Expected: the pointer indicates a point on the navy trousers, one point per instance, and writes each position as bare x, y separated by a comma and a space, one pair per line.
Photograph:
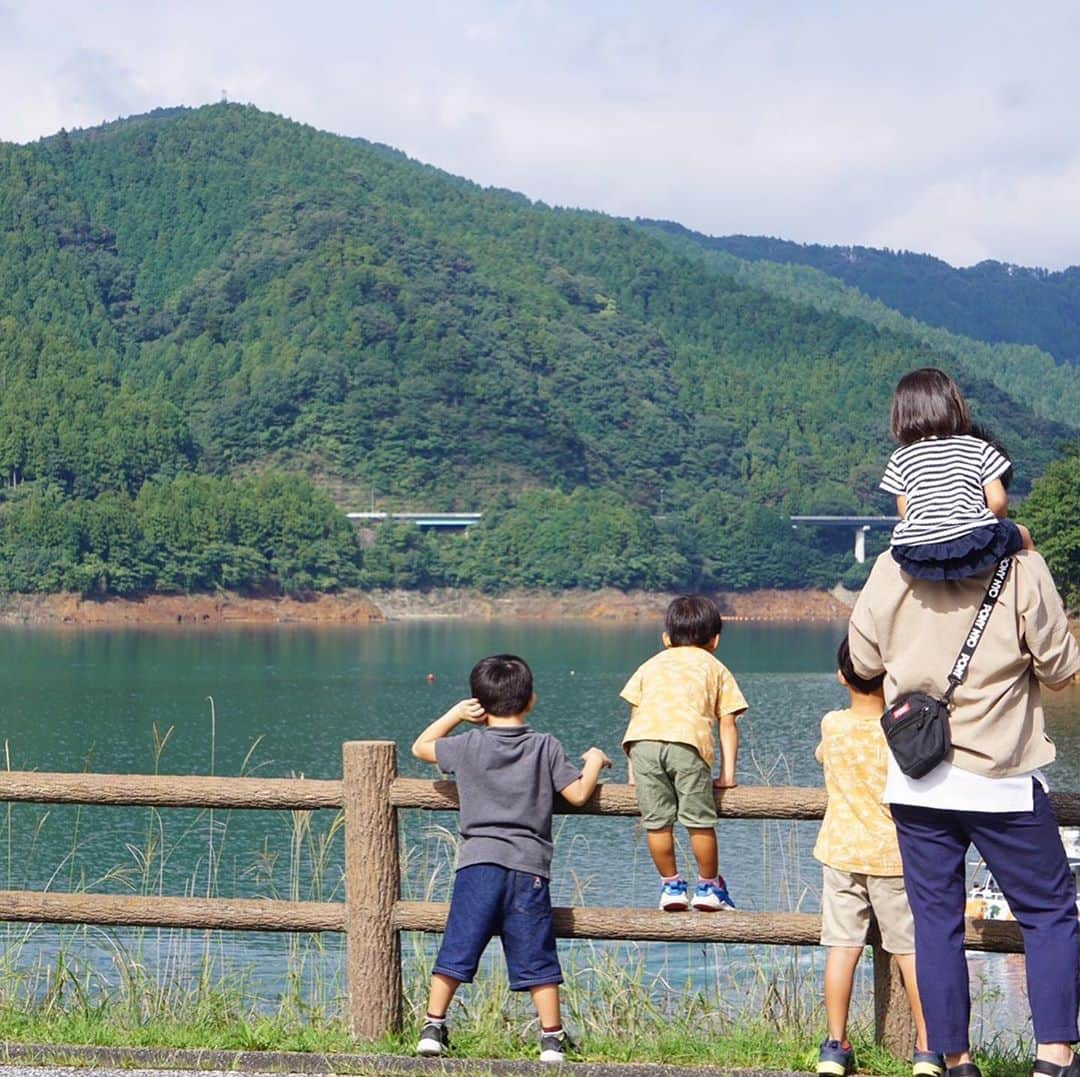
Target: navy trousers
1023, 851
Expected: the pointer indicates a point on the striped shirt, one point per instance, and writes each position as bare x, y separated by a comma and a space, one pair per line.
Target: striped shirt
942, 480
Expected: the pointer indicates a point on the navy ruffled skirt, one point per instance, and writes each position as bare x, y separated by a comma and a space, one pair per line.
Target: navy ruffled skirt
973, 554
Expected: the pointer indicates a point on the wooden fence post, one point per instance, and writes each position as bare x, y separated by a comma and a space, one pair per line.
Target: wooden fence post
372, 886
894, 1027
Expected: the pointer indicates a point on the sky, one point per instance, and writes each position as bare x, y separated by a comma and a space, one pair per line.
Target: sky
948, 128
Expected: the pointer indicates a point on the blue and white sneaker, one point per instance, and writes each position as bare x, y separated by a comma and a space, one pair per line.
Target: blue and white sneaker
835, 1060
673, 897
711, 898
927, 1064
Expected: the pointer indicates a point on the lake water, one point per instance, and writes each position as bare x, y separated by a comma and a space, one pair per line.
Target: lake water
284, 699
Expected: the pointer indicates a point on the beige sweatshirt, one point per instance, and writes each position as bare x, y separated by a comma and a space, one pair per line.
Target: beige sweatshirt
912, 629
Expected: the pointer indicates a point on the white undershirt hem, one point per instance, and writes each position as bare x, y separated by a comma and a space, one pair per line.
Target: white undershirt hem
949, 788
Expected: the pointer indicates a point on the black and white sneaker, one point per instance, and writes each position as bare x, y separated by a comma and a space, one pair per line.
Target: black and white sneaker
434, 1041
555, 1046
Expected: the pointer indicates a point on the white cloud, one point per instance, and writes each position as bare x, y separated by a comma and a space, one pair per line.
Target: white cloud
948, 129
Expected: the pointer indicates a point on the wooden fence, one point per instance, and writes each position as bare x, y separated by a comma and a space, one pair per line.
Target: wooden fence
373, 914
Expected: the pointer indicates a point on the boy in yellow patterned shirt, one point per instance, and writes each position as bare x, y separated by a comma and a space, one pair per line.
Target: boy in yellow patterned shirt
862, 875
676, 700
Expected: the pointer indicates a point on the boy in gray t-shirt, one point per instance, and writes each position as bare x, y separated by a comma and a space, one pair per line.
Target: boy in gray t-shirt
507, 777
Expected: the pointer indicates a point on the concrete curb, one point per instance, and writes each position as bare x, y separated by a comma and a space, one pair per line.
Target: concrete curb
133, 1059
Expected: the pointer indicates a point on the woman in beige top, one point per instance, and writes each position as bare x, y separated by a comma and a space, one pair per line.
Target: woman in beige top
989, 792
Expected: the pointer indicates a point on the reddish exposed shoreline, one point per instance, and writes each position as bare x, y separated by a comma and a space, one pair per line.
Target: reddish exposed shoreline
355, 607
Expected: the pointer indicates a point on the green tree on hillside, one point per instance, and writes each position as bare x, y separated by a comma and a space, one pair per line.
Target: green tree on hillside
1052, 512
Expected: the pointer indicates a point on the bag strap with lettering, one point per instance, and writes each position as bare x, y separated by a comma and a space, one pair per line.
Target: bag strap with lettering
978, 627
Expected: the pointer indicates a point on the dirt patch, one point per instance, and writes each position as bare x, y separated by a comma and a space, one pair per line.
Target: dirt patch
355, 607
605, 605
217, 609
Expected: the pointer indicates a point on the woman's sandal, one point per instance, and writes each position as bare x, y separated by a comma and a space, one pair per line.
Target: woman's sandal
1048, 1069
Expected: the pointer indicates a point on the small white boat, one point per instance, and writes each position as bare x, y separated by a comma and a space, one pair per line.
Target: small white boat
985, 900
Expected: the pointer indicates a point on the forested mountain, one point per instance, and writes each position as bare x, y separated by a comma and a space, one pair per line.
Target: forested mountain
992, 301
1052, 389
204, 312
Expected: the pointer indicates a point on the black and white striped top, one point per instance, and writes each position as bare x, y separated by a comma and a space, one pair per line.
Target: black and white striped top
942, 479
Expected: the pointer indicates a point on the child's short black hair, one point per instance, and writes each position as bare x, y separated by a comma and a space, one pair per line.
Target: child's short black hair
868, 686
692, 620
927, 403
502, 684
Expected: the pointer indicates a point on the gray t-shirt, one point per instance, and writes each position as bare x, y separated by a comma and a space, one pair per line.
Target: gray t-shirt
507, 778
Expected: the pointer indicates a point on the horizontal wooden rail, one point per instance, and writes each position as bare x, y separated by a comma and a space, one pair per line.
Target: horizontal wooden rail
170, 791
745, 802
306, 794
26, 906
778, 802
652, 925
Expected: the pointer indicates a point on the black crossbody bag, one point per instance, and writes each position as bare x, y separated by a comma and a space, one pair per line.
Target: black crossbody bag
916, 724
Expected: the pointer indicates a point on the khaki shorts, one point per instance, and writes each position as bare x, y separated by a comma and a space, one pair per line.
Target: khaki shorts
847, 900
673, 784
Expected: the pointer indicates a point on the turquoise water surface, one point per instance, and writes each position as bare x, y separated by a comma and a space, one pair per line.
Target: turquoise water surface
284, 700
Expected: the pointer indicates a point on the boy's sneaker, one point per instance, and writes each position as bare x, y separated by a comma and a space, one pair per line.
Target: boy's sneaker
434, 1040
673, 896
555, 1046
711, 898
835, 1060
927, 1064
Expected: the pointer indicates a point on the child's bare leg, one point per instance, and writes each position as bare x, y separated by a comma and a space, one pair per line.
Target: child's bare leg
839, 979
703, 846
662, 850
441, 994
911, 986
1029, 543
546, 1000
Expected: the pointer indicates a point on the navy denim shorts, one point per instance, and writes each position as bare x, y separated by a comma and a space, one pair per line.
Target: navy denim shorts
516, 905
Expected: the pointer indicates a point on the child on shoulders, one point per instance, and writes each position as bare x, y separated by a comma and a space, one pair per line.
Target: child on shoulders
947, 483
507, 776
676, 700
862, 876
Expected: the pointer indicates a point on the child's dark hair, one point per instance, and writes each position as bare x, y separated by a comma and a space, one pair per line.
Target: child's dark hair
502, 684
692, 620
866, 685
980, 432
927, 403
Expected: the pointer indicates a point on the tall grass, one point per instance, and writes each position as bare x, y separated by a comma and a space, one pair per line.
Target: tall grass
103, 984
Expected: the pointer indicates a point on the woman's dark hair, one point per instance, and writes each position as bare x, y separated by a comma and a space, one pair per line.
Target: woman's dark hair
927, 403
692, 620
866, 685
502, 685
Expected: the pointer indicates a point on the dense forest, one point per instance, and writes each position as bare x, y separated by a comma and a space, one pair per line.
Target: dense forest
991, 301
219, 329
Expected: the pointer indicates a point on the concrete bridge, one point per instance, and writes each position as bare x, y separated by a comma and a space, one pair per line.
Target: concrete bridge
442, 521
859, 524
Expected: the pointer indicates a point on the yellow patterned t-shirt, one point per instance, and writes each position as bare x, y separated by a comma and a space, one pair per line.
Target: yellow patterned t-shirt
858, 833
677, 696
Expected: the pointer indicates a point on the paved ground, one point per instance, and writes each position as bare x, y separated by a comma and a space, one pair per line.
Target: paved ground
45, 1061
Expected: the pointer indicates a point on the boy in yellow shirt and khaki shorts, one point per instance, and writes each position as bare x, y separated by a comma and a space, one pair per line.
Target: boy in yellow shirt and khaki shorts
862, 875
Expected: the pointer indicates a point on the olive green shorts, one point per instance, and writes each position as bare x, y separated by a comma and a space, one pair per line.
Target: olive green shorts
674, 784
